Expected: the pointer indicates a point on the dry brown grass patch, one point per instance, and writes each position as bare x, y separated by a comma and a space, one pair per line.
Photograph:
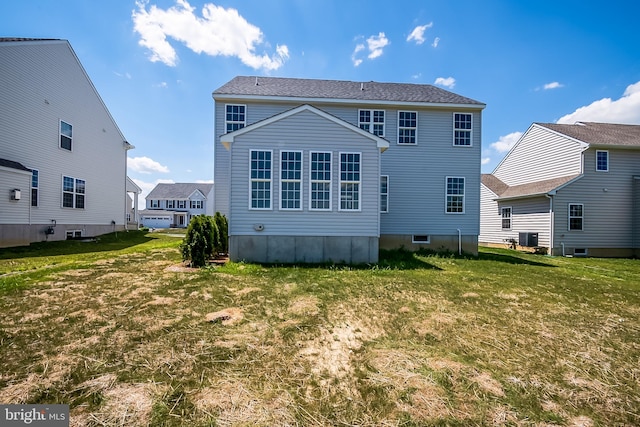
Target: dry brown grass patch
227, 316
126, 405
304, 306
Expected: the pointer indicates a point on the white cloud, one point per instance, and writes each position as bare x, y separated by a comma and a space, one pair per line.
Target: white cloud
505, 142
204, 181
145, 165
417, 34
626, 109
449, 82
219, 32
416, 76
486, 160
436, 42
354, 58
376, 44
552, 85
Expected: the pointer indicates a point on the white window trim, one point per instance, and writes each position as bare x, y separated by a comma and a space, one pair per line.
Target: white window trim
386, 194
602, 151
421, 242
464, 195
312, 181
73, 233
290, 180
398, 133
370, 123
510, 218
60, 136
181, 204
196, 204
469, 130
170, 204
226, 122
569, 216
154, 204
340, 181
35, 188
270, 181
74, 193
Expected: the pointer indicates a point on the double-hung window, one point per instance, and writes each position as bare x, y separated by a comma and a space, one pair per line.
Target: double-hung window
505, 213
154, 204
35, 182
349, 181
291, 180
195, 204
320, 181
66, 135
73, 192
462, 129
171, 204
455, 195
576, 217
235, 117
372, 121
182, 204
260, 164
407, 127
602, 161
384, 193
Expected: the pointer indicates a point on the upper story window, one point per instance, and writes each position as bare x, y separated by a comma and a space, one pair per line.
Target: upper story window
73, 192
372, 121
196, 204
407, 127
505, 213
320, 181
602, 161
66, 135
35, 182
291, 180
154, 204
576, 217
170, 204
455, 195
462, 129
384, 193
260, 179
349, 181
182, 204
235, 117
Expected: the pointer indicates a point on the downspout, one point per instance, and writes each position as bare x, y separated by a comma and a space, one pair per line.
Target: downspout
459, 241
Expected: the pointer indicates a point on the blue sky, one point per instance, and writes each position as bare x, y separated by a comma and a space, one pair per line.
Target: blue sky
155, 63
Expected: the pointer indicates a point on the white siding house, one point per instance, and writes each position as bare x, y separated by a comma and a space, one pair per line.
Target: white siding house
572, 186
73, 155
417, 152
173, 205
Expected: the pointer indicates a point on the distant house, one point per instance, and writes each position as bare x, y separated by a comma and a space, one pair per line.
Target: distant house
573, 189
322, 170
63, 159
173, 205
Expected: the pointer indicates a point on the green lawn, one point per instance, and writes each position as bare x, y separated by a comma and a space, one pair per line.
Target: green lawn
126, 336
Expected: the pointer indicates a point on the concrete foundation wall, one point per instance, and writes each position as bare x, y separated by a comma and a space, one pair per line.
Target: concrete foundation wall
436, 243
304, 249
22, 235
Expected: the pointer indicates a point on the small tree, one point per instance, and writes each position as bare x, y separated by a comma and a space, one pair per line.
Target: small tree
199, 244
223, 233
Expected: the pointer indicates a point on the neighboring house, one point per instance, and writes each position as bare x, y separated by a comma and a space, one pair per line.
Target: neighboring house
573, 189
63, 158
320, 170
173, 205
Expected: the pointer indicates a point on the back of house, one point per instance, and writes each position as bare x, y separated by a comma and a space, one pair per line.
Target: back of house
345, 168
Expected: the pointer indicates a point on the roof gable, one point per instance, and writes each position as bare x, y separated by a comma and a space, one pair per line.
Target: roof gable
599, 134
228, 138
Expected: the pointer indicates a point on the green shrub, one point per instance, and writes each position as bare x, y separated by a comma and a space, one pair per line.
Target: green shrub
223, 233
199, 243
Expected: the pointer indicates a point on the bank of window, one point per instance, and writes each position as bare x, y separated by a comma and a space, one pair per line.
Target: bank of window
407, 127
291, 180
349, 181
505, 213
235, 117
260, 179
576, 217
196, 204
66, 135
602, 161
73, 192
384, 193
320, 181
372, 121
455, 195
462, 129
35, 183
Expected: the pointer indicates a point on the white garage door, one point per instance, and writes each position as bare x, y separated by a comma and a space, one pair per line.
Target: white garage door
156, 221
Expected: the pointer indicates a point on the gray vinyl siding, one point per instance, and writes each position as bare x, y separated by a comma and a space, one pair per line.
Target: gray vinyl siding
43, 83
608, 215
540, 154
14, 211
306, 132
490, 218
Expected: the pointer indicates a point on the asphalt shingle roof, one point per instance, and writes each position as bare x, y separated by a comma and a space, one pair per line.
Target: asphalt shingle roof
180, 190
13, 165
599, 133
504, 191
344, 90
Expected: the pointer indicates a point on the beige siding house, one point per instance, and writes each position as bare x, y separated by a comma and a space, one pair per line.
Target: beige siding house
572, 189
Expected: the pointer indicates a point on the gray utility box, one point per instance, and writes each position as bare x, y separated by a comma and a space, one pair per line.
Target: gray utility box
528, 239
